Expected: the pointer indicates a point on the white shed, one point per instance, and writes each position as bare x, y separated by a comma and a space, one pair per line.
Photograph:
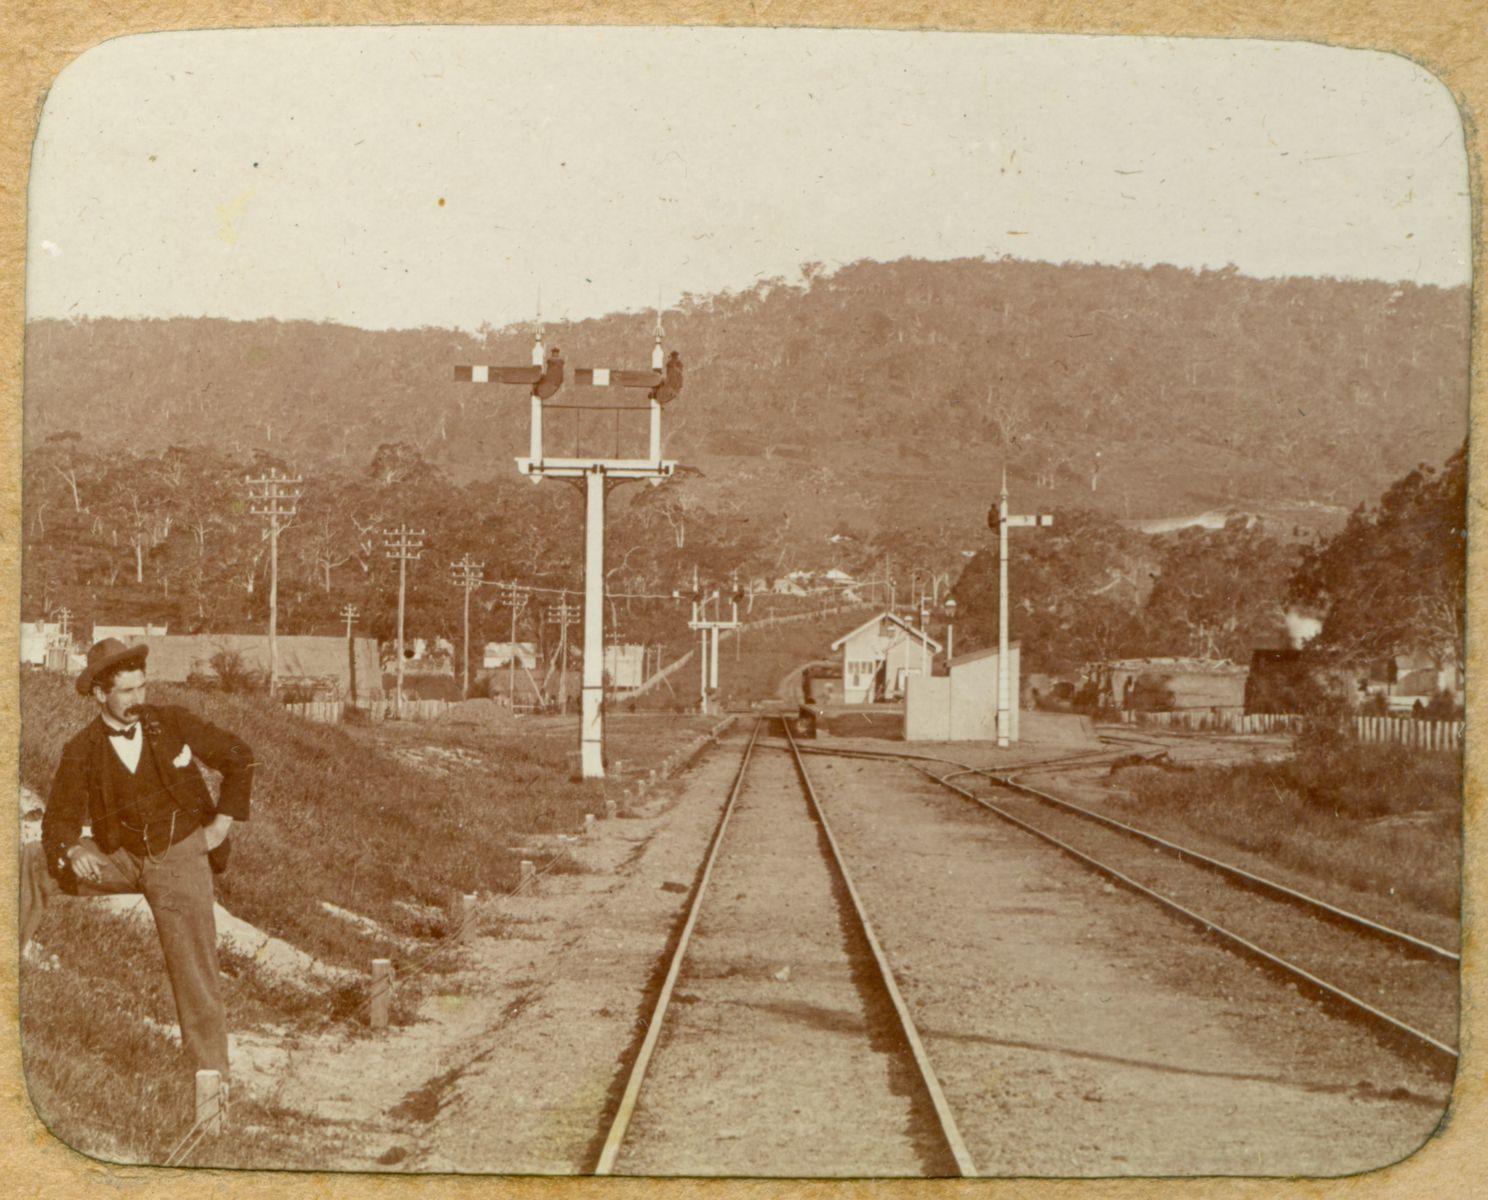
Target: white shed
961, 705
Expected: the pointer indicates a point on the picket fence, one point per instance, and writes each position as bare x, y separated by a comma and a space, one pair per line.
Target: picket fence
331, 712
1423, 735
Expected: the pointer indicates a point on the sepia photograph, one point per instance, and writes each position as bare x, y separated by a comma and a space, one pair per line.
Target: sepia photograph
743, 602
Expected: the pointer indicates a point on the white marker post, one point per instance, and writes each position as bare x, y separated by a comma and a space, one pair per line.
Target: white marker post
1004, 673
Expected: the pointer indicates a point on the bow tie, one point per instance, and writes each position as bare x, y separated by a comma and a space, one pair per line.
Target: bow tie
126, 734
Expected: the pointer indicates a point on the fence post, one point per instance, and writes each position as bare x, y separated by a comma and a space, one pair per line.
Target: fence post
382, 990
210, 1101
529, 875
588, 824
467, 916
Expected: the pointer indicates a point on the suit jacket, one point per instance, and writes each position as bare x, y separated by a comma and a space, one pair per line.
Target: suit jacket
82, 785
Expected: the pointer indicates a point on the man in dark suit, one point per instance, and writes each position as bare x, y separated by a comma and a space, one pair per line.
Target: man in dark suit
132, 772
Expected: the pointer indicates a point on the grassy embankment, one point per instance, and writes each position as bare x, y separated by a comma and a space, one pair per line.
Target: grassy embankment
335, 818
1377, 820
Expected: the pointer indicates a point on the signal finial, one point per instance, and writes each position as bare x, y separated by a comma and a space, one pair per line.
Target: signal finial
537, 335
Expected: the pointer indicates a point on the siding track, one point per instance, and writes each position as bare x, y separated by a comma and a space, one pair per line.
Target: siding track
1403, 985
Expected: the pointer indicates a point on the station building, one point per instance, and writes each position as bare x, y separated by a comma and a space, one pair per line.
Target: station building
880, 655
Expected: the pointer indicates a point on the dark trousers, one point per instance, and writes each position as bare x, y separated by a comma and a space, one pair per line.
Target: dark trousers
177, 885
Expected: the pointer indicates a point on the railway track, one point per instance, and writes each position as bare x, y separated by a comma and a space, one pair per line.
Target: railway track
737, 1074
1403, 985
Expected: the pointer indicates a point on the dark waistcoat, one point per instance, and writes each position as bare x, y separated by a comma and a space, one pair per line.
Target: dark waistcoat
146, 806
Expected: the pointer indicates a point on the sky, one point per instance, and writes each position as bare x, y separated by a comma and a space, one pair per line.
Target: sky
407, 177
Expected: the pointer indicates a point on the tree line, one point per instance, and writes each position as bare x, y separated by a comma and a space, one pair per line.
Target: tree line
120, 536
1393, 580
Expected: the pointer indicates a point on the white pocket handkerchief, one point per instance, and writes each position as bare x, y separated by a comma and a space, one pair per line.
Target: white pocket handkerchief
183, 759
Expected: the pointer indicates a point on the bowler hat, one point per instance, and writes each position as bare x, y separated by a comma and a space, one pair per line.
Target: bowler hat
102, 655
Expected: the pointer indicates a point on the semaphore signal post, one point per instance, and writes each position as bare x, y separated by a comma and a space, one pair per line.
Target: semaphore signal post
708, 633
1002, 521
545, 376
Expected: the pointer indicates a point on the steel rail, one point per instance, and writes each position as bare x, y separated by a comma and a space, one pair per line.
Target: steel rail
623, 1114
947, 1119
1260, 882
1288, 967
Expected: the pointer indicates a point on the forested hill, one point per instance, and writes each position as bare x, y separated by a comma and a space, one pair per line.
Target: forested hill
840, 396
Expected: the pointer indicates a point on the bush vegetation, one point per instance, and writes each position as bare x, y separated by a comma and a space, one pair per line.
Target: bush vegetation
1380, 820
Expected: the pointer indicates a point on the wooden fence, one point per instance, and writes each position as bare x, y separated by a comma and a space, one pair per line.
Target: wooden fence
1423, 735
330, 712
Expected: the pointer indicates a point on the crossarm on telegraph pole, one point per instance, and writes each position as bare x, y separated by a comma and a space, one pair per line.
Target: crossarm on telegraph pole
406, 545
275, 497
467, 575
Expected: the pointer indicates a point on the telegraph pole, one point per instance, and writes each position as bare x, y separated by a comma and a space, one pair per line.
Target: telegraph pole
1004, 674
349, 614
275, 497
516, 600
560, 615
466, 574
406, 545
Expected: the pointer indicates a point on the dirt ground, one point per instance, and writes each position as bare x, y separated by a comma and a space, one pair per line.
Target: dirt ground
780, 1053
513, 1070
1078, 1031
1075, 1030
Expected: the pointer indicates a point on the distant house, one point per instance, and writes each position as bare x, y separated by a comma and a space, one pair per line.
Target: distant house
499, 654
324, 663
1404, 679
1291, 680
788, 585
879, 655
1169, 683
420, 656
